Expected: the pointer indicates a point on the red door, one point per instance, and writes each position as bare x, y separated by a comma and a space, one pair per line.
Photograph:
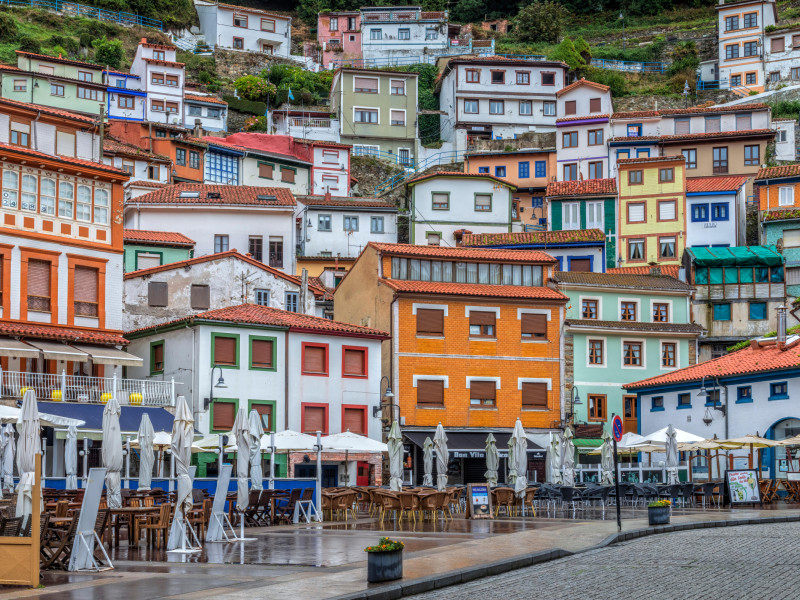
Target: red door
362, 473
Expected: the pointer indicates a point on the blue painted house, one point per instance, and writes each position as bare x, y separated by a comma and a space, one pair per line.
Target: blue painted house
715, 211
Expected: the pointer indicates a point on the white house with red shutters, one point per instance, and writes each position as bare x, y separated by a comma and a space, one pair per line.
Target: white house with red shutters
162, 79
299, 372
244, 29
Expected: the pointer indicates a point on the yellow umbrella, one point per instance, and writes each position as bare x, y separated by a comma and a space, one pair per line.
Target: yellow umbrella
753, 441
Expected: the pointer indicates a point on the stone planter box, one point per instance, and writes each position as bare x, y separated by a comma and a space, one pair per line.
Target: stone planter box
384, 566
658, 515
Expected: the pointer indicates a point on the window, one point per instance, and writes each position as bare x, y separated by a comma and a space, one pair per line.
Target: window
471, 107
404, 34
523, 77
499, 171
596, 170
180, 157
66, 197
660, 312
238, 43
752, 155
276, 252
548, 78
635, 250
157, 105
225, 350
375, 34
200, 296
220, 243
47, 198
744, 394
288, 174
596, 352
668, 354
126, 102
431, 33
636, 212
84, 76
430, 392
597, 407
589, 309
354, 362
433, 238
333, 24
398, 87
731, 51
570, 139
666, 175
720, 156
20, 134
315, 359
523, 170
758, 311
722, 312
398, 117
750, 20
440, 200
496, 107
540, 168
473, 76
194, 159
498, 77
291, 300
376, 225
534, 395
350, 223
154, 172
750, 78
634, 178
90, 94
525, 107
262, 297
83, 207
482, 324
172, 107
269, 25
570, 107
534, 326
778, 391
666, 247
632, 354
483, 170
240, 21
786, 196
690, 155
255, 246
483, 203
364, 115
657, 403
482, 393
627, 311
666, 210
158, 54
314, 419
430, 322
195, 111
157, 358
39, 285
549, 109
684, 400
682, 126
750, 49
128, 167
571, 172
595, 137
731, 23
700, 212
719, 211
20, 85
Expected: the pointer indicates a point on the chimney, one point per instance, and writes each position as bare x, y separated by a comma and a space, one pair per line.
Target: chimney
781, 326
198, 128
328, 196
655, 271
144, 40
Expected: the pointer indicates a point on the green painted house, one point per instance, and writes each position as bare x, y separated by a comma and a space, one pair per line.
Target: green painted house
621, 328
587, 204
377, 112
144, 249
784, 225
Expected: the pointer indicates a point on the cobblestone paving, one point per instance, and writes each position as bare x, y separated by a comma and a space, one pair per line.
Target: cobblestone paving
750, 561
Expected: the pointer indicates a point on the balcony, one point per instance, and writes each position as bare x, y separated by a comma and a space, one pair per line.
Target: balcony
88, 390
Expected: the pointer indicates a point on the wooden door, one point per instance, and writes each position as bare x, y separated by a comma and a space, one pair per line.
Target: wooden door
630, 421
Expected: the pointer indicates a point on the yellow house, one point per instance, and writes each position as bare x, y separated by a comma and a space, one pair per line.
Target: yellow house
652, 218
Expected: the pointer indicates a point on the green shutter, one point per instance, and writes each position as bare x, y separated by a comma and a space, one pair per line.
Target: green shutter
611, 228
557, 224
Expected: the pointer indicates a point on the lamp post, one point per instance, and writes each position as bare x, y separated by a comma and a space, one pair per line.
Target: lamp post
686, 93
388, 395
220, 385
575, 400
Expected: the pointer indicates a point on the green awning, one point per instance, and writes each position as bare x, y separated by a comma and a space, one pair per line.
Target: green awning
738, 256
587, 442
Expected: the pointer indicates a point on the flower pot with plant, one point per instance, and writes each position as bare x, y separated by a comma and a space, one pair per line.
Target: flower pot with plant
385, 560
658, 512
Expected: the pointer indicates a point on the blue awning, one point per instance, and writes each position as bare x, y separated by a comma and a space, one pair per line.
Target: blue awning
129, 419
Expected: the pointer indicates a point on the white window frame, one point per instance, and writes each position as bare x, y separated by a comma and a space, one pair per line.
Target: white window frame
638, 302
595, 205
372, 108
378, 79
641, 341
604, 339
783, 192
391, 110
669, 309
661, 354
564, 210
597, 299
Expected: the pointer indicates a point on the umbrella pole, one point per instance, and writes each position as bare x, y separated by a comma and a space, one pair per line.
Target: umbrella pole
272, 461
719, 473
750, 458
708, 463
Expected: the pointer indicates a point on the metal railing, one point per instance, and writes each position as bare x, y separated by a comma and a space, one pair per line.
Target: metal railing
428, 58
81, 10
88, 390
712, 84
304, 122
629, 66
414, 168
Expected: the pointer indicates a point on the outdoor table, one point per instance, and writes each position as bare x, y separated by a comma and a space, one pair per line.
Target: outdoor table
128, 513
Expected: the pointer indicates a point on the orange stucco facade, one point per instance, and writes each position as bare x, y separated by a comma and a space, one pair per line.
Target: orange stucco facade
769, 195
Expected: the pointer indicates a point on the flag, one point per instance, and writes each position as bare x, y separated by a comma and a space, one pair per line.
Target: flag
291, 96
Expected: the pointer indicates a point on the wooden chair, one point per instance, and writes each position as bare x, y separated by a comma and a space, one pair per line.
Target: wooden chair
56, 553
409, 504
344, 502
389, 501
285, 508
156, 527
11, 527
61, 508
431, 503
503, 498
250, 514
198, 518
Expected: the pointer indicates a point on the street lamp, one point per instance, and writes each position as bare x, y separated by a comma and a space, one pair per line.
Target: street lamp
575, 400
704, 393
686, 93
388, 394
220, 384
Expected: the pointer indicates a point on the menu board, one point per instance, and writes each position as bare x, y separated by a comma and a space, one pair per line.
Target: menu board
743, 486
479, 501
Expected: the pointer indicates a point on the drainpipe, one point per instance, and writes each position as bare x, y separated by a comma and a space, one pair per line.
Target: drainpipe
34, 131
286, 379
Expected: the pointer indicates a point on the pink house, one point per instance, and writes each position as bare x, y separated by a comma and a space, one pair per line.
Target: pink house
339, 36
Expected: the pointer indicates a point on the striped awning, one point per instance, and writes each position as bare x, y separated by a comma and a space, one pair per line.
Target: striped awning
58, 351
17, 349
105, 355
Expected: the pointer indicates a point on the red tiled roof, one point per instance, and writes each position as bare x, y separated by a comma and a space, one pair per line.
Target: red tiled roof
581, 118
780, 171
57, 332
157, 46
148, 184
164, 63
460, 175
9, 68
694, 110
316, 281
167, 238
622, 280
114, 146
344, 201
209, 99
504, 60
253, 10
284, 145
219, 255
58, 59
256, 314
650, 159
720, 134
63, 159
635, 114
719, 183
587, 187
746, 361
533, 237
579, 83
441, 252
668, 270
635, 138
228, 194
474, 289
48, 110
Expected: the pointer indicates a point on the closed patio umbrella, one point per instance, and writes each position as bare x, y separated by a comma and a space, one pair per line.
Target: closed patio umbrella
521, 460
30, 444
492, 460
241, 429
568, 458
9, 451
427, 459
555, 460
511, 464
256, 431
607, 460
71, 458
395, 443
112, 452
182, 436
442, 457
672, 455
146, 455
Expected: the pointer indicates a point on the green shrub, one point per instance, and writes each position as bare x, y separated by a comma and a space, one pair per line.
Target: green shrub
613, 79
108, 53
8, 29
246, 106
29, 44
85, 40
254, 88
69, 44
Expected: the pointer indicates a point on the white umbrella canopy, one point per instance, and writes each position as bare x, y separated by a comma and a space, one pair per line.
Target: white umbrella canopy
492, 460
145, 441
284, 441
511, 463
161, 440
630, 439
555, 460
395, 444
71, 458
427, 460
256, 433
568, 458
520, 458
607, 460
12, 414
241, 429
660, 437
9, 448
442, 457
672, 455
182, 436
352, 442
112, 452
30, 444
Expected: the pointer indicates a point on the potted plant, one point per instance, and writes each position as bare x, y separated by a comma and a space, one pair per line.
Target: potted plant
658, 512
385, 560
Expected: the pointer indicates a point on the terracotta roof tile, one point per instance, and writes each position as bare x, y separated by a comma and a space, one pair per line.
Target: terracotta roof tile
228, 194
721, 183
164, 63
715, 135
635, 114
253, 10
694, 110
79, 162
58, 59
534, 237
690, 328
317, 282
668, 270
344, 201
157, 46
505, 60
586, 187
650, 159
625, 280
317, 258
635, 138
581, 118
581, 82
460, 175
148, 184
208, 99
114, 146
475, 289
779, 171
167, 238
48, 110
55, 332
747, 361
442, 252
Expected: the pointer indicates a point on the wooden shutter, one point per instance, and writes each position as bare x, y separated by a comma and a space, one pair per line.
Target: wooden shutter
157, 293
580, 265
535, 325
158, 357
594, 105
261, 352
201, 296
355, 362
366, 83
430, 321
314, 419
224, 415
264, 409
85, 291
534, 395
682, 126
776, 44
483, 390
743, 122
712, 124
569, 107
287, 175
39, 278
265, 170
314, 359
353, 420
430, 391
481, 317
224, 350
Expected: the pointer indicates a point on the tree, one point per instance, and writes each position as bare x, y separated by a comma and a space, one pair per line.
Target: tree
540, 22
108, 53
566, 52
252, 87
468, 11
582, 48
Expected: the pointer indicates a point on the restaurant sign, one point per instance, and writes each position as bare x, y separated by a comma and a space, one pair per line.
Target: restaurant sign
479, 501
743, 486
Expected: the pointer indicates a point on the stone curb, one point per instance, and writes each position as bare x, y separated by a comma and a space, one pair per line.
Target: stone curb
393, 591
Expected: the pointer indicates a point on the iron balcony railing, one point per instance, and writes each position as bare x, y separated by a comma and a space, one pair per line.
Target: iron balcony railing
304, 122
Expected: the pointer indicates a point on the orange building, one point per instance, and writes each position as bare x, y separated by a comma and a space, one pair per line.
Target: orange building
475, 344
778, 187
